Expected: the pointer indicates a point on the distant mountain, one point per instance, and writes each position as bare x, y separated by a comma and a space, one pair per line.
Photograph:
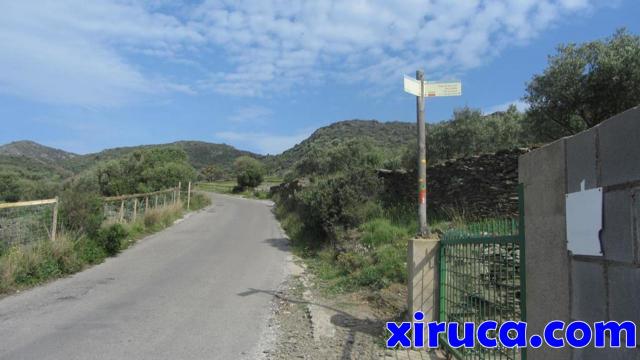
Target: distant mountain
34, 161
39, 159
200, 154
390, 135
37, 152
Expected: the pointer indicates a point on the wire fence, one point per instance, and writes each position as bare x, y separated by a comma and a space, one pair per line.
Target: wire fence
482, 278
30, 221
129, 208
25, 222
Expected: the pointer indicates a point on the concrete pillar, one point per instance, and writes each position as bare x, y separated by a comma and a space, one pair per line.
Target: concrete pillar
543, 173
423, 279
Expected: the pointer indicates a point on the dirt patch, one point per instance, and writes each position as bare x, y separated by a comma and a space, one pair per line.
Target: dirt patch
312, 325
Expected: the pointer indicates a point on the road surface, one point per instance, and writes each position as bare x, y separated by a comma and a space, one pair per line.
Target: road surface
192, 291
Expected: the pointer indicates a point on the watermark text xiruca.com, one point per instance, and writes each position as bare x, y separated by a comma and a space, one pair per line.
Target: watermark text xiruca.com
510, 334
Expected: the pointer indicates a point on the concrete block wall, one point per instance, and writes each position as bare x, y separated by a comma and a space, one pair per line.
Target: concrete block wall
564, 286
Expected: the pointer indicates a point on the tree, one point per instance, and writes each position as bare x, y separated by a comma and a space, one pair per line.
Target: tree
249, 171
584, 85
212, 173
145, 171
9, 187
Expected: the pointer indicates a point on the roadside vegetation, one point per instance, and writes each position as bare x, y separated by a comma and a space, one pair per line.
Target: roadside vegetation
85, 236
354, 236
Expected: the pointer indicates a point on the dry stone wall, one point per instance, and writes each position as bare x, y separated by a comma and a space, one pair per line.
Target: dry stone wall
477, 186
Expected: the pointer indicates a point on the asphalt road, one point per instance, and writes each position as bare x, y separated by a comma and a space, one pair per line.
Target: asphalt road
193, 291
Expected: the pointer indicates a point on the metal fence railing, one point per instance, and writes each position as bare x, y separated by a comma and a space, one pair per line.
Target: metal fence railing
28, 221
482, 278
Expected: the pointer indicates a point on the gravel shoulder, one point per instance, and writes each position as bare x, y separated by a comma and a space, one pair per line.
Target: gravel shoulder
309, 324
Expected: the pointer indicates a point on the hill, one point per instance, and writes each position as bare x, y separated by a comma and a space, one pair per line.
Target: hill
200, 154
34, 161
35, 151
393, 136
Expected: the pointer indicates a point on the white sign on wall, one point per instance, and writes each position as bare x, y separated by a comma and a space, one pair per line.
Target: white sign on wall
584, 221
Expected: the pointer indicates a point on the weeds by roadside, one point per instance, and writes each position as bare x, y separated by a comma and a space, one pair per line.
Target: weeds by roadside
26, 266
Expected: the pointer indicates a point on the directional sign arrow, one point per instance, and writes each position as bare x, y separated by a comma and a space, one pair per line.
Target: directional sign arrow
442, 88
432, 88
411, 85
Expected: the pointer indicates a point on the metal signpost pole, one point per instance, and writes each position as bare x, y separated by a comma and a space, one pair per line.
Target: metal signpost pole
422, 160
421, 89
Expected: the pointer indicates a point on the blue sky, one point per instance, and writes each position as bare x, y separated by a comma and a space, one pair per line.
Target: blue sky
263, 75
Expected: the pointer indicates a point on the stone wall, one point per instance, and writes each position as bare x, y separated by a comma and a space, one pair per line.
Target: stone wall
477, 186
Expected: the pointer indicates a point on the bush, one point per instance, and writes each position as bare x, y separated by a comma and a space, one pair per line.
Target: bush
81, 211
249, 172
110, 238
343, 201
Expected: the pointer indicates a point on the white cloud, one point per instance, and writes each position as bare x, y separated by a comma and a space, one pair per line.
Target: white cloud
88, 52
274, 45
74, 52
520, 105
262, 142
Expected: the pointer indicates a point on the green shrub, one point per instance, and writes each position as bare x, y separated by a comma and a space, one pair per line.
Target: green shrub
342, 201
81, 211
381, 231
110, 238
249, 172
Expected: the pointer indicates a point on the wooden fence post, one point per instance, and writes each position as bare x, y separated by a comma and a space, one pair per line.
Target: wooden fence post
156, 202
122, 211
179, 189
146, 204
135, 208
54, 224
189, 196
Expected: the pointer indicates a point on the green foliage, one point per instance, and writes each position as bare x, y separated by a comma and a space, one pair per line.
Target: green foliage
81, 211
145, 171
212, 173
584, 85
343, 201
110, 238
471, 133
381, 231
249, 172
9, 187
339, 156
383, 135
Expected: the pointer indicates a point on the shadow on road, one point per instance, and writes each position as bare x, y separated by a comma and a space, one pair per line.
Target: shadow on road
281, 244
342, 319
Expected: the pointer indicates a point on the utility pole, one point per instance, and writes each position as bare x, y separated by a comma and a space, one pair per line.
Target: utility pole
422, 160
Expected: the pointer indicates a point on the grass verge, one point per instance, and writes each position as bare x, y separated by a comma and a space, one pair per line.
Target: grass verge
26, 266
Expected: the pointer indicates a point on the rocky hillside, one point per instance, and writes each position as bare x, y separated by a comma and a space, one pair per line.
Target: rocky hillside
387, 135
37, 152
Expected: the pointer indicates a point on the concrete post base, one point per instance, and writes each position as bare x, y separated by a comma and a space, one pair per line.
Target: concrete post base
423, 278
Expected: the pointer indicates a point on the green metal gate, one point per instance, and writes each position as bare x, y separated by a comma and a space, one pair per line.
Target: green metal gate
482, 277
